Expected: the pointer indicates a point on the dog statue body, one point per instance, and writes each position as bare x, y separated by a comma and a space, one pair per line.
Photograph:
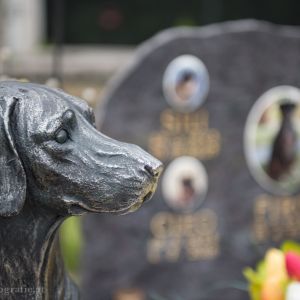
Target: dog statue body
55, 164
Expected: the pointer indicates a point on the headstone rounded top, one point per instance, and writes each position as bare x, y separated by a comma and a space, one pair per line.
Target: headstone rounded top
166, 41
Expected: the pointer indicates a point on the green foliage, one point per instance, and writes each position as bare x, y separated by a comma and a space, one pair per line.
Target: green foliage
290, 246
256, 279
71, 243
185, 21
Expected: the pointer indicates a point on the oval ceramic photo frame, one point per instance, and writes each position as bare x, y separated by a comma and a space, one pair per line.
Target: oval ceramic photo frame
186, 83
272, 140
184, 184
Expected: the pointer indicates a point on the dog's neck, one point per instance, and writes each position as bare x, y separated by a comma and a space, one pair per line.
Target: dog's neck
30, 259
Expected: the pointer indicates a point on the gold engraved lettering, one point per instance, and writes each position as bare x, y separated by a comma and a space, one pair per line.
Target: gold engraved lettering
194, 235
276, 218
185, 134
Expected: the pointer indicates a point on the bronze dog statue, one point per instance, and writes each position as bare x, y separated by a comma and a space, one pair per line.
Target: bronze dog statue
55, 164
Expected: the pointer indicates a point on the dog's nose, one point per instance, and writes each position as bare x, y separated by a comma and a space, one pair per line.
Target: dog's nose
154, 171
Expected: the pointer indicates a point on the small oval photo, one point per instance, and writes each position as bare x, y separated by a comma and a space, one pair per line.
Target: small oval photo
272, 140
184, 184
186, 83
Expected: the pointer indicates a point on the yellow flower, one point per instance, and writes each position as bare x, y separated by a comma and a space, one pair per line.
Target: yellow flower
273, 289
275, 264
276, 276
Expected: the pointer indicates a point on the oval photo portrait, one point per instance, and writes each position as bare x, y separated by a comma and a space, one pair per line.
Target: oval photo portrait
184, 184
272, 140
186, 83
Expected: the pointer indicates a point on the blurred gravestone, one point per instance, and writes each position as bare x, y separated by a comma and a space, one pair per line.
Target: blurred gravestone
218, 207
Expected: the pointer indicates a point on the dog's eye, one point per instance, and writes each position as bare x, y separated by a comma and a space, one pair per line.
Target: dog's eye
62, 136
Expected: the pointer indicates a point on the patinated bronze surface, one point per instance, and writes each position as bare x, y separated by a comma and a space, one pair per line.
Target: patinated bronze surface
55, 164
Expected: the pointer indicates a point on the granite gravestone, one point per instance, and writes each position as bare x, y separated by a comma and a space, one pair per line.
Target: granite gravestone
211, 103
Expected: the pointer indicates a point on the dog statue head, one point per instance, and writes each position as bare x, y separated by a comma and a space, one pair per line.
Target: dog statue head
52, 155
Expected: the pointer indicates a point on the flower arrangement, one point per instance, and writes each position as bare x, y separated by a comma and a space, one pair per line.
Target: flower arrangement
277, 276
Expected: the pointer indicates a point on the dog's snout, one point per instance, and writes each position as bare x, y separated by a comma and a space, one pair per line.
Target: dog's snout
154, 171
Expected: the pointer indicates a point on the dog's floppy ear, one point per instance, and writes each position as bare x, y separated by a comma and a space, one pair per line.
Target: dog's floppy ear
12, 175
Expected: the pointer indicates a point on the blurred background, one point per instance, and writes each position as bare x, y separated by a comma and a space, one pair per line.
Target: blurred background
79, 45
83, 43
